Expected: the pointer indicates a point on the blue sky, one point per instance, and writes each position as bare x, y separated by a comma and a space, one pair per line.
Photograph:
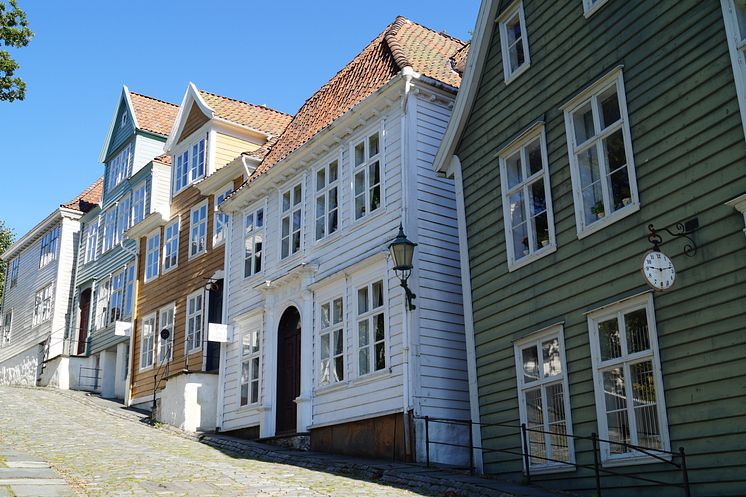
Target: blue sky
274, 53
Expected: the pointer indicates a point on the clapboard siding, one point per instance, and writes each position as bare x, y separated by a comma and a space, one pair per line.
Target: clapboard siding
228, 148
688, 147
147, 147
120, 134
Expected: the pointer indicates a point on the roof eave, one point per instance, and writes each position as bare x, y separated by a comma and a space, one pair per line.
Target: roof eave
35, 232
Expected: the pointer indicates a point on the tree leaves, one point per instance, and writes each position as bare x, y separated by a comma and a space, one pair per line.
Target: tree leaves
14, 32
6, 240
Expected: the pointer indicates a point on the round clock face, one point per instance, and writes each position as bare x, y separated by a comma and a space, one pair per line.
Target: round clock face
658, 270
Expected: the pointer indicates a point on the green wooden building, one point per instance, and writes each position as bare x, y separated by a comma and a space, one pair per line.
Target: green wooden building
578, 124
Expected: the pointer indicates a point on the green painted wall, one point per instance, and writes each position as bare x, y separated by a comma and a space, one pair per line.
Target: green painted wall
690, 157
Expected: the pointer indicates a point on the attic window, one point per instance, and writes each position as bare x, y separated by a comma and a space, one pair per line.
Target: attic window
125, 120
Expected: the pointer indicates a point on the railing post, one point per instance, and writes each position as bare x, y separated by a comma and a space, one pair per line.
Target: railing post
427, 440
471, 448
526, 449
684, 472
594, 438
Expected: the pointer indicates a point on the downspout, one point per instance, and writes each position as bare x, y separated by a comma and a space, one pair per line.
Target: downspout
135, 253
408, 73
227, 243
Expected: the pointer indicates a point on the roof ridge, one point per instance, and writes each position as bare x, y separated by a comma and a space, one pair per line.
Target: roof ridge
391, 40
440, 33
152, 98
265, 107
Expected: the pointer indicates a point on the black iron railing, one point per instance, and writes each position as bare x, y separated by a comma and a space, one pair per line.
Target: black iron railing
675, 459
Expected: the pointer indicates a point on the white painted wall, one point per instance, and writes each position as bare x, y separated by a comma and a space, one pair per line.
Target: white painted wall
22, 368
188, 401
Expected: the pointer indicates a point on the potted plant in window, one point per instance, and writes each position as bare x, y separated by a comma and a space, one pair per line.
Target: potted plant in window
598, 209
544, 238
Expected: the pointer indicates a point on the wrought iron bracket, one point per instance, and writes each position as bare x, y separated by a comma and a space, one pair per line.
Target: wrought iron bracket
678, 230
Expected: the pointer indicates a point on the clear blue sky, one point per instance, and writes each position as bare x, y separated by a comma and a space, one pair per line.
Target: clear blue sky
276, 53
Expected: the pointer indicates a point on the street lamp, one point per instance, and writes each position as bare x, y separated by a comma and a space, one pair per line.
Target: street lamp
402, 251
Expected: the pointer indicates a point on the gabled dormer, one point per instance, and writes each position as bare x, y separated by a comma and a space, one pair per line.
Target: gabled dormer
138, 129
210, 131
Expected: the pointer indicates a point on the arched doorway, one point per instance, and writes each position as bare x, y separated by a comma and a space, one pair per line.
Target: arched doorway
288, 371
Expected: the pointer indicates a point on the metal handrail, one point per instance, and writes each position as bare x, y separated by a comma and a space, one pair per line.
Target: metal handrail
525, 454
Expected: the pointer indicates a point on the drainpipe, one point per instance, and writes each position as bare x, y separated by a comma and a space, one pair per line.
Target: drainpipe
135, 252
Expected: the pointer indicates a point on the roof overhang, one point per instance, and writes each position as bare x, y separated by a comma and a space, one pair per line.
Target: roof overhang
152, 221
38, 230
239, 166
469, 84
125, 95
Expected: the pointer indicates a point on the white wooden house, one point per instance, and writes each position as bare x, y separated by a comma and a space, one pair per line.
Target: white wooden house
320, 345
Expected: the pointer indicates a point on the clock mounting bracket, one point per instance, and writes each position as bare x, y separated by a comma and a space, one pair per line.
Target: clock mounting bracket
678, 230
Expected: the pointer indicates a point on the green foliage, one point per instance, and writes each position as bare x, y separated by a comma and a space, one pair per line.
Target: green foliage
14, 32
6, 240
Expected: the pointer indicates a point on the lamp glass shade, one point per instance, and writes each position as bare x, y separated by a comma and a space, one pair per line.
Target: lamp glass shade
402, 251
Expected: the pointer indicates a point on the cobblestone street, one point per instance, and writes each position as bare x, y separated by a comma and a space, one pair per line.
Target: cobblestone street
102, 452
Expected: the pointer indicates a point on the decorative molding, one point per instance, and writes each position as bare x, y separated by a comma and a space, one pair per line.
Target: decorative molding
739, 203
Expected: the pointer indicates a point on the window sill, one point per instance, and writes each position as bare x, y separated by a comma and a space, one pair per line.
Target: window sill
254, 406
329, 239
632, 460
197, 254
356, 223
553, 468
165, 271
149, 280
333, 387
371, 377
517, 73
607, 220
526, 260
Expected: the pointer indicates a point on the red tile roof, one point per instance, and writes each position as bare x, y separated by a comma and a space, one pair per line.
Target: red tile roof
403, 43
156, 116
459, 59
163, 159
88, 198
257, 117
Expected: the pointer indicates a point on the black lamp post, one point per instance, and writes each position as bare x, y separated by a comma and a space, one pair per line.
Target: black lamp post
402, 251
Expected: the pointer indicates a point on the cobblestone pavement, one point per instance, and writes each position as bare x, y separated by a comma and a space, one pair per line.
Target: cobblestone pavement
102, 452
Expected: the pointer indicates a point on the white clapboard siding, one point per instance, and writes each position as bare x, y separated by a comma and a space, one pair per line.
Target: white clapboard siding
146, 149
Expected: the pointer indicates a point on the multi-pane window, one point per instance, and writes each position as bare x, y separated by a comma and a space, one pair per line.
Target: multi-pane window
123, 217
250, 368
189, 166
221, 218
627, 378
110, 227
527, 201
194, 321
120, 167
171, 245
103, 288
332, 342
166, 346
371, 329
129, 290
147, 341
7, 323
140, 202
152, 255
198, 230
15, 264
603, 173
367, 176
543, 399
49, 244
291, 221
514, 42
91, 241
253, 241
327, 199
116, 296
43, 305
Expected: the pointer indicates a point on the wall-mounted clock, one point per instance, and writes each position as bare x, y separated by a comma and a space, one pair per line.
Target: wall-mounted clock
658, 270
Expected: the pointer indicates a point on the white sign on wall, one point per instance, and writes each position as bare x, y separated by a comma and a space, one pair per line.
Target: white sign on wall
219, 332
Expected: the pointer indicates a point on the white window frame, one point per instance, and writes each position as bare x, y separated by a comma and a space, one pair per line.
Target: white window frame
91, 242
324, 194
329, 331
193, 318
124, 208
190, 165
140, 202
221, 219
617, 311
537, 339
289, 214
14, 267
110, 230
256, 236
171, 245
147, 341
120, 167
43, 305
590, 7
533, 252
7, 326
364, 167
515, 9
251, 361
130, 277
103, 289
368, 316
198, 230
737, 49
152, 255
613, 78
116, 296
49, 244
168, 314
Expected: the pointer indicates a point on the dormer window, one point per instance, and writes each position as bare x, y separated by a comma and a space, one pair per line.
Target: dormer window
120, 167
189, 166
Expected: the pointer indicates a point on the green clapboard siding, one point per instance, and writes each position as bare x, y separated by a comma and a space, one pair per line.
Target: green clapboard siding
690, 157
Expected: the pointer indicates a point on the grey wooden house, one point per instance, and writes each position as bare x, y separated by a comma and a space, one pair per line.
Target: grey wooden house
578, 124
